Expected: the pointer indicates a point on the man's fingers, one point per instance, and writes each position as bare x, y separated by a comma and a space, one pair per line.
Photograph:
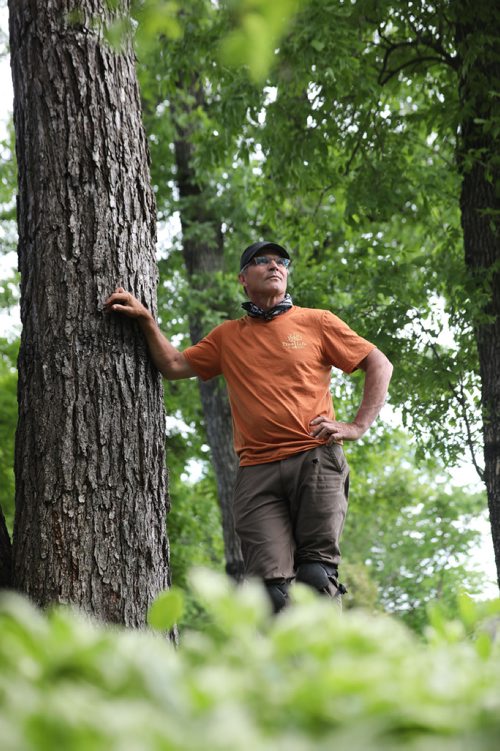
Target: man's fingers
119, 296
333, 431
125, 303
127, 310
324, 432
318, 420
317, 430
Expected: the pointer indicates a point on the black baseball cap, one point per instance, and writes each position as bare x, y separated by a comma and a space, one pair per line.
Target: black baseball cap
255, 248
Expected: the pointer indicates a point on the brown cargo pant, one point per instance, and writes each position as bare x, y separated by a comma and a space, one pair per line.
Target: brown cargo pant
291, 511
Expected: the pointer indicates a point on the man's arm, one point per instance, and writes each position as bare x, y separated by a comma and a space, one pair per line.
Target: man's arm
170, 362
378, 372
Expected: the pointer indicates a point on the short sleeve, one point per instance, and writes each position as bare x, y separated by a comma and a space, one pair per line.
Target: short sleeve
205, 356
342, 347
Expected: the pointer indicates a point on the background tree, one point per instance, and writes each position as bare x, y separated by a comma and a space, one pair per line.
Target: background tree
477, 28
90, 473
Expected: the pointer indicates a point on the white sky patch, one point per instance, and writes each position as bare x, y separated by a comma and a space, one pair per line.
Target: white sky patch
175, 424
258, 153
194, 471
483, 557
314, 95
271, 93
438, 320
168, 232
385, 113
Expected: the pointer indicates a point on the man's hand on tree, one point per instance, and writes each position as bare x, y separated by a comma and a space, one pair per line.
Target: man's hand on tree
124, 302
334, 431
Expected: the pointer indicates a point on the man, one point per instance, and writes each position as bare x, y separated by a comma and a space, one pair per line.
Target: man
290, 497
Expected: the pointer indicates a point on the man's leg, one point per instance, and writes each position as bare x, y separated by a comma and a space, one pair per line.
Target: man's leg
318, 483
262, 522
277, 589
321, 576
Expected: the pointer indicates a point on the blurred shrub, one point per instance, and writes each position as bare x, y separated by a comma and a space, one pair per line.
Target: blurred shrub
309, 679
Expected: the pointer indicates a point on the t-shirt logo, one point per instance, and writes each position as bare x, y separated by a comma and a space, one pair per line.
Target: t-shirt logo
295, 341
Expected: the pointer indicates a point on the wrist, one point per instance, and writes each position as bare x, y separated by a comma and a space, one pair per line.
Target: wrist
146, 320
360, 426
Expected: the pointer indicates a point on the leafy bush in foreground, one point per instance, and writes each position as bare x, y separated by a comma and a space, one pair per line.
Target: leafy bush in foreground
309, 679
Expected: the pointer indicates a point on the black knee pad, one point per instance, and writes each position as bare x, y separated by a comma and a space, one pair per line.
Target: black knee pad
321, 576
277, 590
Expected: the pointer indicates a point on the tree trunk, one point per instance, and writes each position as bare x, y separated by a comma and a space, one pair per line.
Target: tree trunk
478, 43
202, 258
91, 495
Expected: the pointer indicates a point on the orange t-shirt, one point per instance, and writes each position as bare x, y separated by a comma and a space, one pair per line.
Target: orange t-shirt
278, 376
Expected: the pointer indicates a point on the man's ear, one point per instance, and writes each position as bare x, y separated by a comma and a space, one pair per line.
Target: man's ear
242, 279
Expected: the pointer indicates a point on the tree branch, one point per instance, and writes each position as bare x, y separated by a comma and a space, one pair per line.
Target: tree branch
362, 129
322, 195
416, 61
425, 41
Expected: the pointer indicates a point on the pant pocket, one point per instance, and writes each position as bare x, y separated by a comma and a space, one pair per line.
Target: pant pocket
335, 453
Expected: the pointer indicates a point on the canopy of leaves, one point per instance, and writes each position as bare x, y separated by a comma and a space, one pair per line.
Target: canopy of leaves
347, 156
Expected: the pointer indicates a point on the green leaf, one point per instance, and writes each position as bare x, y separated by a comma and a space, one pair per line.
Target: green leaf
166, 610
318, 45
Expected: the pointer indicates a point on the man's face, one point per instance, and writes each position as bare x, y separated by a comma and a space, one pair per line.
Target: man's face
265, 279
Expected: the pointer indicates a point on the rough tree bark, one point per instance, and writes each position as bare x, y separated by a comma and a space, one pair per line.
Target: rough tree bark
202, 258
478, 45
91, 488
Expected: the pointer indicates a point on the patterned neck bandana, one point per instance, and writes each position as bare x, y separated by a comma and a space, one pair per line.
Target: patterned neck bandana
267, 315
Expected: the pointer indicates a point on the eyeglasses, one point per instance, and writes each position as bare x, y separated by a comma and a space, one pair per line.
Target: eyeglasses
266, 260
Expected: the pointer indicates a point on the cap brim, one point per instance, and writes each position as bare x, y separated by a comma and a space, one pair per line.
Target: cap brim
257, 247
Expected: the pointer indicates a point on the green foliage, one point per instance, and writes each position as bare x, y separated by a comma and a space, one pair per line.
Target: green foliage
155, 17
410, 529
195, 534
259, 26
358, 178
8, 422
9, 288
361, 182
9, 294
8, 179
309, 679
